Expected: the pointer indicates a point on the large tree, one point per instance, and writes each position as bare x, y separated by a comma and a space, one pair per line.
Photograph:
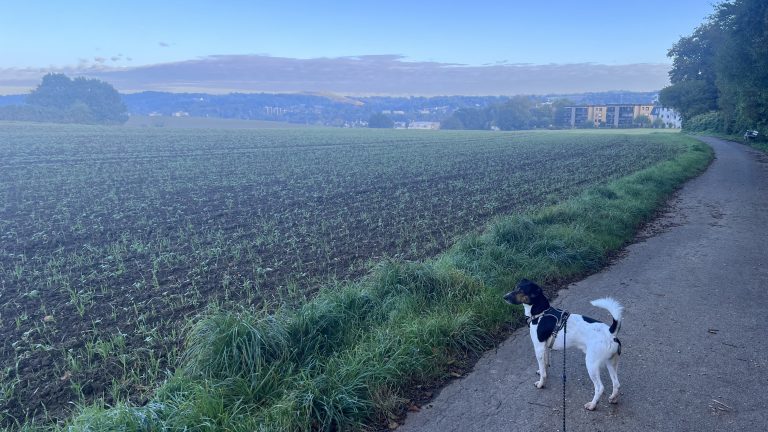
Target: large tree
515, 114
693, 90
80, 100
742, 64
690, 97
723, 66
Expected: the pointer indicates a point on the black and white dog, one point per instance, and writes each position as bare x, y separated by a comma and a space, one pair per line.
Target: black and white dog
596, 339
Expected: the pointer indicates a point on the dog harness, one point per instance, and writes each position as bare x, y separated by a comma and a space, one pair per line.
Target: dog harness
550, 321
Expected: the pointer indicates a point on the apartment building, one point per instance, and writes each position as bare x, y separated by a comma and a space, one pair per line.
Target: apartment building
612, 115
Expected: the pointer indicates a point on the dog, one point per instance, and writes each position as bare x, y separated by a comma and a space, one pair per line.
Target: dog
597, 340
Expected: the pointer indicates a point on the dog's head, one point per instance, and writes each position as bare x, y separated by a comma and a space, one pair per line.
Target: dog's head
526, 292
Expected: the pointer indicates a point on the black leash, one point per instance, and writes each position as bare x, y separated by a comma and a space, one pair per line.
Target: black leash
565, 332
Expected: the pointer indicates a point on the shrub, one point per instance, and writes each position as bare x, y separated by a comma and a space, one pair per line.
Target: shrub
710, 122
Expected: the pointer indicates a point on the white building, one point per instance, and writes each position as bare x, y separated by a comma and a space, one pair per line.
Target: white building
670, 117
424, 125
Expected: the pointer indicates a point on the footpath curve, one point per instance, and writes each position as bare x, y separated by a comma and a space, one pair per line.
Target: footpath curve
695, 330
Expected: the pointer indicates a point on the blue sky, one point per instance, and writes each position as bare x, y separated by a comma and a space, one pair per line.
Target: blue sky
504, 47
36, 33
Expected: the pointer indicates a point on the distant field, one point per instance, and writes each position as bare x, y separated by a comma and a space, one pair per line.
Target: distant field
109, 237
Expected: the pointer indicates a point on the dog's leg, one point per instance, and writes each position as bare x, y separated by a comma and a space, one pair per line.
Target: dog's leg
541, 354
613, 370
593, 367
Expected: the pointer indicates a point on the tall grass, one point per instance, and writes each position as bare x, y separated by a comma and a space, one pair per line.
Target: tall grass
344, 359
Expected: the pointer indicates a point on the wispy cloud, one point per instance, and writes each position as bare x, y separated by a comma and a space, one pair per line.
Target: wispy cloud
368, 75
164, 44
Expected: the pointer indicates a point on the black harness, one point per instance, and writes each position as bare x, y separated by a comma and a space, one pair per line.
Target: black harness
549, 323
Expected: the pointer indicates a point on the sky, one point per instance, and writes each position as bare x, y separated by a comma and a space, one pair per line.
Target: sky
101, 38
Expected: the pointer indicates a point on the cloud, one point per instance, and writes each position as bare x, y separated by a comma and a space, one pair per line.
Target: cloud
164, 44
377, 75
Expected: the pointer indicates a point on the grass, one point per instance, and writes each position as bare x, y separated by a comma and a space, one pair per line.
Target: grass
344, 359
759, 145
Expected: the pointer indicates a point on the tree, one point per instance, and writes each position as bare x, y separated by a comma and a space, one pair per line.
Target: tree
515, 114
560, 119
451, 123
643, 120
543, 116
723, 66
741, 64
81, 100
380, 121
693, 57
693, 75
474, 118
690, 98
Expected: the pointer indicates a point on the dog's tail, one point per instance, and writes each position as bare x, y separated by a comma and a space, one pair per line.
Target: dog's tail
614, 308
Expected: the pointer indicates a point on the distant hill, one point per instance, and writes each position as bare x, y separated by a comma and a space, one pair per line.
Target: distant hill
142, 121
612, 97
12, 100
302, 108
325, 109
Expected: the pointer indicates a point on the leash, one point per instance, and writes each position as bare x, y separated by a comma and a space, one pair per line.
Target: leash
561, 323
565, 332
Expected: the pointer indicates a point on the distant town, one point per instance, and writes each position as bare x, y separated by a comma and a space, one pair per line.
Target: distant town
589, 110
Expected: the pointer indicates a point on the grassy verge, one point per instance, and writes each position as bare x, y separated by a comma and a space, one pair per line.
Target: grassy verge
759, 145
344, 359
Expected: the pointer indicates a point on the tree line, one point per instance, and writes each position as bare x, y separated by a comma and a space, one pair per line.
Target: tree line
519, 112
60, 99
719, 75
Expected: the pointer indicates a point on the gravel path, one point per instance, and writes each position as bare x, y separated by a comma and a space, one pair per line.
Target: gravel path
695, 330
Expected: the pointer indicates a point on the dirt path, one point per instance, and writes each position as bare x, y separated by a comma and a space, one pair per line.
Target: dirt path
695, 334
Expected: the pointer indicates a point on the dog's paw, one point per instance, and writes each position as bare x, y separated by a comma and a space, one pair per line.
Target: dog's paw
590, 406
614, 398
539, 384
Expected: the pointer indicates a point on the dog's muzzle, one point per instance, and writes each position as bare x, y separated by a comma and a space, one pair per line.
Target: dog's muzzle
511, 298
